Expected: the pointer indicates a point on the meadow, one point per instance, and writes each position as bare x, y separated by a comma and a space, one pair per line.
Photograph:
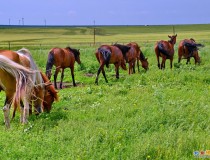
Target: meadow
158, 114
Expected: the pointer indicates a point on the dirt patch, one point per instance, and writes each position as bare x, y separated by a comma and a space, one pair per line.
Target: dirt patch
89, 74
69, 85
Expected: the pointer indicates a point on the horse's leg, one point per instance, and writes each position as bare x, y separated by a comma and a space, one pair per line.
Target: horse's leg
138, 64
163, 63
103, 72
72, 75
99, 71
195, 58
188, 60
130, 67
6, 110
117, 70
158, 57
62, 75
133, 65
24, 119
179, 59
171, 62
38, 101
55, 77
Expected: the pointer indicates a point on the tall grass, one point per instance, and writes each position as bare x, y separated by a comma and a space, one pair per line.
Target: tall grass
148, 115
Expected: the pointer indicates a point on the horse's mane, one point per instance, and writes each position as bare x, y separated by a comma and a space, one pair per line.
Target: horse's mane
124, 49
142, 57
74, 51
37, 79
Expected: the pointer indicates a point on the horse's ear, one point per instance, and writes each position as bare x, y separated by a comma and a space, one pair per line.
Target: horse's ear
175, 35
169, 36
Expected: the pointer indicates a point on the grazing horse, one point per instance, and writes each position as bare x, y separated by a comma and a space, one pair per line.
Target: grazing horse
109, 54
165, 49
44, 91
43, 94
62, 58
135, 54
189, 48
16, 83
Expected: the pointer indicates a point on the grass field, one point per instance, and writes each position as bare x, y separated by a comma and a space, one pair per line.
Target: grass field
148, 115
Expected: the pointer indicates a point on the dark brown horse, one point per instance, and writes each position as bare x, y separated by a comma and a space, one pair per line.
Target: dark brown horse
109, 54
135, 54
189, 48
165, 49
62, 58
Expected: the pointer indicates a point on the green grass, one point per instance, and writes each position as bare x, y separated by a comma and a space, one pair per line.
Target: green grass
148, 115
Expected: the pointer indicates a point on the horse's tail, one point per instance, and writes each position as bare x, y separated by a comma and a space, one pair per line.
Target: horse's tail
193, 46
106, 55
162, 49
24, 85
50, 62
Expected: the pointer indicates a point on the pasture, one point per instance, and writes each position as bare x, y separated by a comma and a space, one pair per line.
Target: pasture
158, 114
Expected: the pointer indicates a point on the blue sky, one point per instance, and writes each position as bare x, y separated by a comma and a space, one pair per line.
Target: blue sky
104, 12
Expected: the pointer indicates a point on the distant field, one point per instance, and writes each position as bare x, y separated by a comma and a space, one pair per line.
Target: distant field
148, 115
105, 34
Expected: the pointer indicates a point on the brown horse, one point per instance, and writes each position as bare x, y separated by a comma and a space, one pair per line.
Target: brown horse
62, 58
165, 49
135, 54
189, 48
43, 92
109, 54
16, 83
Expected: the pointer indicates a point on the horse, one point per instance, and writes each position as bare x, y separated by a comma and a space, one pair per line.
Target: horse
135, 54
165, 49
109, 54
189, 48
44, 93
62, 58
16, 83
43, 85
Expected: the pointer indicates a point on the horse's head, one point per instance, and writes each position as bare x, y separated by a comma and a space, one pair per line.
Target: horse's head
144, 62
77, 56
49, 97
50, 94
172, 39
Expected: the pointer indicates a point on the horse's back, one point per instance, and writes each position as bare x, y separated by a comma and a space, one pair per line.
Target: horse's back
11, 55
62, 57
